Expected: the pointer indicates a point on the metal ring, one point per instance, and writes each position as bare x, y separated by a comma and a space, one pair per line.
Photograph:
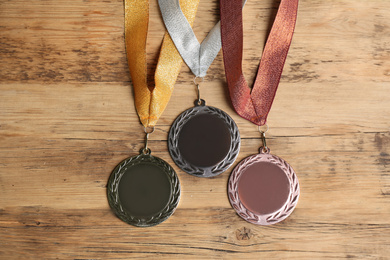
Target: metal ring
264, 149
146, 151
200, 102
198, 80
261, 131
149, 129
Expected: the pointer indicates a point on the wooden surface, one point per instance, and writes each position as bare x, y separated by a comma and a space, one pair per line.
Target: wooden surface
67, 118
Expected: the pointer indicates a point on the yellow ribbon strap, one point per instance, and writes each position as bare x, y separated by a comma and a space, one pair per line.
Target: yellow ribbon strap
150, 103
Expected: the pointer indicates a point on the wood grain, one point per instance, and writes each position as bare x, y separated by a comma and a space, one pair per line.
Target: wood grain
67, 118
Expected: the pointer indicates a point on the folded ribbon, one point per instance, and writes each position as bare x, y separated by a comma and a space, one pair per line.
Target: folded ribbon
198, 57
255, 105
151, 102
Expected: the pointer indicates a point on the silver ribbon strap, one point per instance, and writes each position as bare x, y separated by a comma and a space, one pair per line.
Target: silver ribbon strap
198, 57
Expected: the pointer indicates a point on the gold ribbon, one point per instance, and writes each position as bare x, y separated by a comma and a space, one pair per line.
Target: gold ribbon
151, 102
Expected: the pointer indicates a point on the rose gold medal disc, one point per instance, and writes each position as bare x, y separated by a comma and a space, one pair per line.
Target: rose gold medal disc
263, 189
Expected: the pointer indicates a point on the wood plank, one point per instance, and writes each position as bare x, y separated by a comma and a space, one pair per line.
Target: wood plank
67, 117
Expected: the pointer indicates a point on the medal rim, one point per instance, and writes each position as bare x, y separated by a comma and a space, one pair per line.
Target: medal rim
263, 219
222, 165
113, 191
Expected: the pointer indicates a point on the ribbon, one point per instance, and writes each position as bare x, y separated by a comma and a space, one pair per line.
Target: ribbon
151, 101
255, 105
198, 57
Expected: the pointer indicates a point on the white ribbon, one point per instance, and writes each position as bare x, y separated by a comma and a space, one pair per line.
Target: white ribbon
198, 57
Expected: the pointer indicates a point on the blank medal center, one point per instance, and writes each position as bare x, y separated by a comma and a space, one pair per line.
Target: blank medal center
144, 190
263, 188
204, 140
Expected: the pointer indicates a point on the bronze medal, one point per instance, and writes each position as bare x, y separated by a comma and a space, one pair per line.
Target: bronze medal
263, 189
204, 141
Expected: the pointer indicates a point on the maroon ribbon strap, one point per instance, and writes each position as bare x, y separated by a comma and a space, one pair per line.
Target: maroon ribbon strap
255, 105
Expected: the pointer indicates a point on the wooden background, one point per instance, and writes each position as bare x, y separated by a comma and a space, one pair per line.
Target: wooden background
67, 118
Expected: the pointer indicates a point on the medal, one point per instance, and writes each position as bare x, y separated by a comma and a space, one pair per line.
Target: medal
203, 141
144, 190
263, 188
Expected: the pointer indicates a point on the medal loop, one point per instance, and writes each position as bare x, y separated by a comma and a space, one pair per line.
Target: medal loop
264, 148
264, 141
146, 151
199, 100
147, 130
197, 81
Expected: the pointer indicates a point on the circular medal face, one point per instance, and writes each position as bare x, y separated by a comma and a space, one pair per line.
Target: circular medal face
204, 141
263, 189
143, 190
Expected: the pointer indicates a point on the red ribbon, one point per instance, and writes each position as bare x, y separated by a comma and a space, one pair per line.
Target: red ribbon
255, 105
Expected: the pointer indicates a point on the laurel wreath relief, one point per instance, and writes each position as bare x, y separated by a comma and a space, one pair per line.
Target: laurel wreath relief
250, 216
203, 171
173, 141
113, 194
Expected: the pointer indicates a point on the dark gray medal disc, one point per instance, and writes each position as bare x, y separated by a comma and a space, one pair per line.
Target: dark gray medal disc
204, 141
143, 190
